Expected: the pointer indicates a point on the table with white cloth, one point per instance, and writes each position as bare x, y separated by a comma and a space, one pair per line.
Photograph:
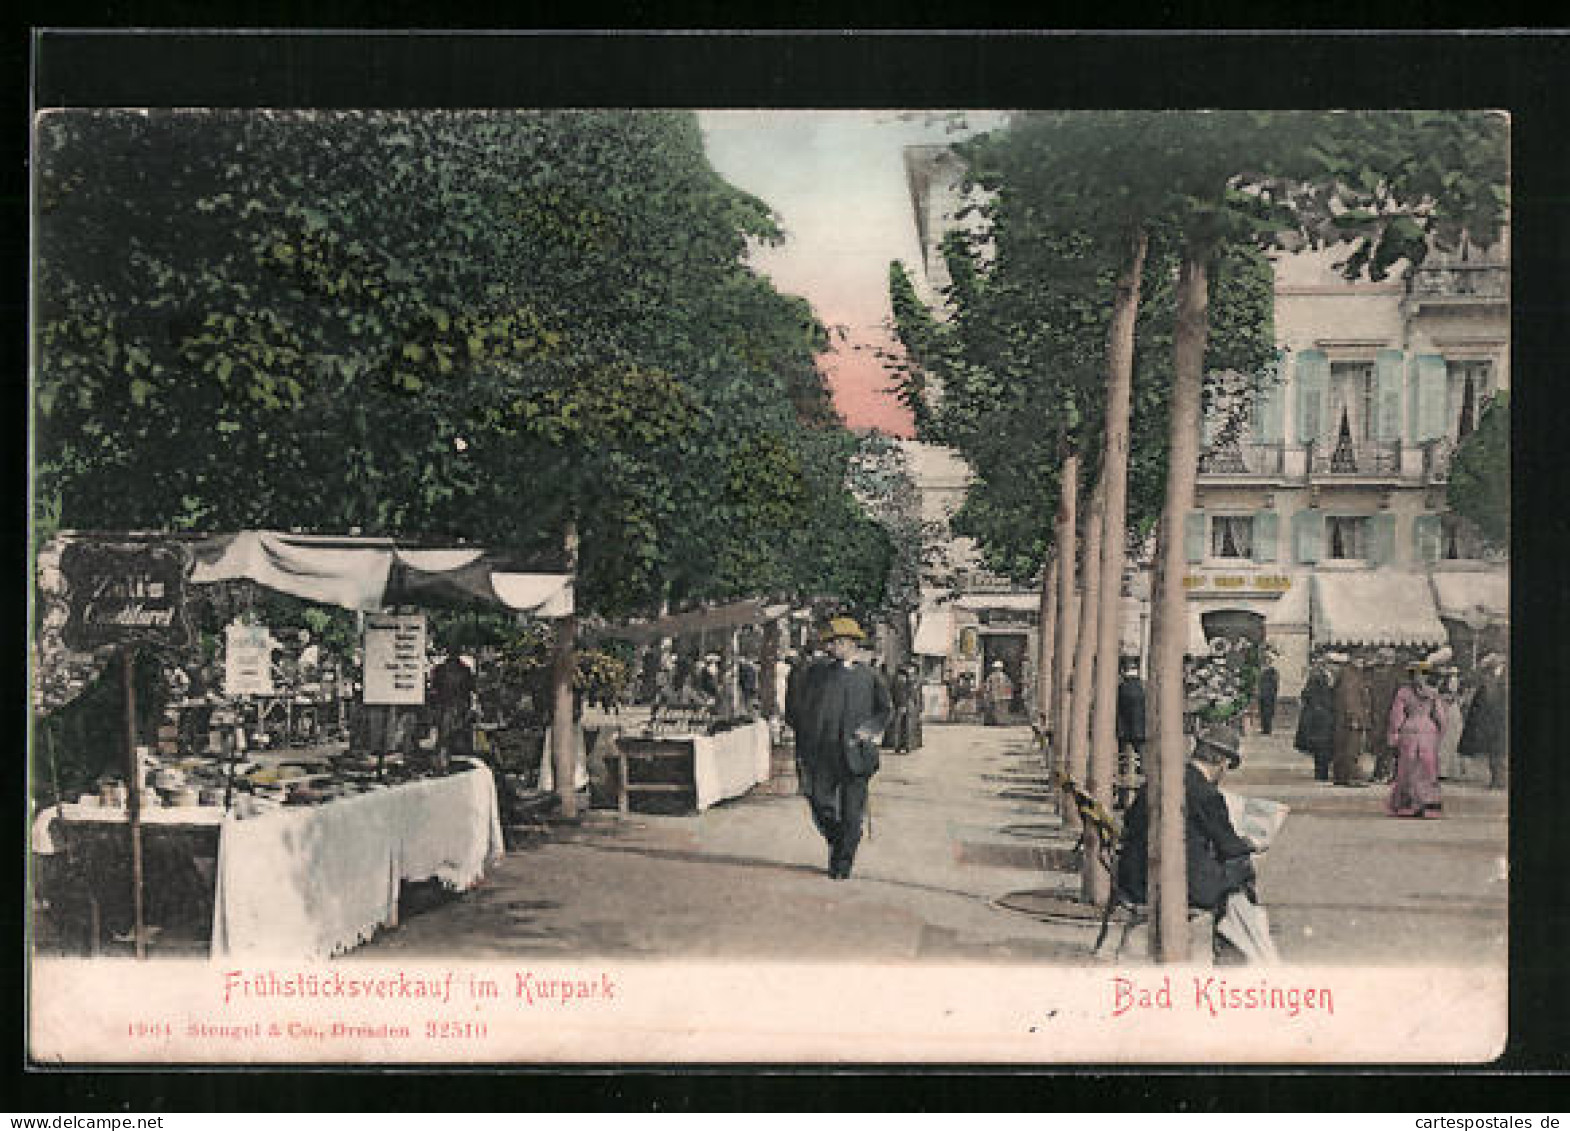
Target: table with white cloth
707, 767
313, 881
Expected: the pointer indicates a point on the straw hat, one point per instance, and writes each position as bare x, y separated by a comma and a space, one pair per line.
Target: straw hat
843, 628
1336, 657
997, 665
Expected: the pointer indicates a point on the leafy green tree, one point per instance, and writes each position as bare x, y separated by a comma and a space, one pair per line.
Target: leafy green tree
478, 325
1479, 489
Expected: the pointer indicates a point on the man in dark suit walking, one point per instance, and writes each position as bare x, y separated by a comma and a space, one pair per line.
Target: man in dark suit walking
843, 709
1269, 688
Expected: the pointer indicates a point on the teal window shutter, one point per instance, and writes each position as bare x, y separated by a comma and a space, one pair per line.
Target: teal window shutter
1308, 535
1265, 536
1389, 369
1313, 389
1432, 398
1381, 539
1427, 531
1268, 406
1194, 537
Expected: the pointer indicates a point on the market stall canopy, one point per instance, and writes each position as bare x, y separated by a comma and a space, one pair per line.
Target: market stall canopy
371, 573
1382, 607
934, 630
99, 591
734, 615
1477, 598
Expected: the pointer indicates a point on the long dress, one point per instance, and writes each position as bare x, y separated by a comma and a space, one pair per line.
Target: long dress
1416, 726
1451, 767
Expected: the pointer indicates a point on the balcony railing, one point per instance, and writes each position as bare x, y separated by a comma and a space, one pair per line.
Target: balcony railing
1361, 457
1241, 459
1437, 455
1461, 281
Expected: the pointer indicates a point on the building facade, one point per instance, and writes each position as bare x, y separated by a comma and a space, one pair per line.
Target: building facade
1320, 517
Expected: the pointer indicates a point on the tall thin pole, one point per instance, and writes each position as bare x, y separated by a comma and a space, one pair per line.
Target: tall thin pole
1085, 652
1047, 641
1102, 764
1165, 766
564, 755
133, 798
1064, 650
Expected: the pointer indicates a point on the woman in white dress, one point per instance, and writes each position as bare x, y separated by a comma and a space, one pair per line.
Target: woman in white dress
1451, 765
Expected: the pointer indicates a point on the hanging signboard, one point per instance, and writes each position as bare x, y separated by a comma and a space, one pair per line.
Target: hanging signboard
124, 593
248, 654
395, 659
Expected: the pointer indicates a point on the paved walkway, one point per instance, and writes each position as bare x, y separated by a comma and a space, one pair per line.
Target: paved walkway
953, 827
1346, 883
746, 878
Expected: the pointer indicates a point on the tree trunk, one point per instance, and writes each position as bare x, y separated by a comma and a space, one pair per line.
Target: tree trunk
1165, 762
1064, 649
1085, 651
1097, 884
564, 755
1046, 644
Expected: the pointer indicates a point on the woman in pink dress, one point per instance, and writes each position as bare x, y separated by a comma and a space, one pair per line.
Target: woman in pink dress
1417, 723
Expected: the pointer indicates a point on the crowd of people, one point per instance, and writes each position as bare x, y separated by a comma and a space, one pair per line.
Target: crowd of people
1418, 721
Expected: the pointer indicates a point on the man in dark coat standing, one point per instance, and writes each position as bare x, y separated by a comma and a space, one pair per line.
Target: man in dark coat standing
1316, 721
843, 710
1269, 688
1352, 717
1131, 731
1218, 858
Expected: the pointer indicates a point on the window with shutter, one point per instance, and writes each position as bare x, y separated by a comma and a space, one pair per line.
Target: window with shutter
1308, 530
1194, 536
1381, 539
1313, 381
1389, 368
1427, 531
1432, 398
1265, 536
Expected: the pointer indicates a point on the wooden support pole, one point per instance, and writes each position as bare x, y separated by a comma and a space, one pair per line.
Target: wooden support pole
133, 799
564, 755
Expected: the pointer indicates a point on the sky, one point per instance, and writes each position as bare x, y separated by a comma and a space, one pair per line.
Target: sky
836, 180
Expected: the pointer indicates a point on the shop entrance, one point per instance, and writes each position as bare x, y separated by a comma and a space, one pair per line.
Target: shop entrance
1007, 648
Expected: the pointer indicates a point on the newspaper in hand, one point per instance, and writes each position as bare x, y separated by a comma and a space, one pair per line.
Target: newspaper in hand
1256, 818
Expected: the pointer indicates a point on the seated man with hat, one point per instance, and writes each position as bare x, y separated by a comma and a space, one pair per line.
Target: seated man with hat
843, 710
1218, 858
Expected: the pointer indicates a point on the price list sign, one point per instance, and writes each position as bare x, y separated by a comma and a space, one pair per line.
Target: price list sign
395, 659
248, 669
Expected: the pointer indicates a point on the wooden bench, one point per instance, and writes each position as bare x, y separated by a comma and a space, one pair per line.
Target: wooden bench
651, 766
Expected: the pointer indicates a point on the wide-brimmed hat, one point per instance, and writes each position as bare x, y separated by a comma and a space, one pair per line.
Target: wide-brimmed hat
1336, 657
1439, 657
843, 628
997, 665
1219, 743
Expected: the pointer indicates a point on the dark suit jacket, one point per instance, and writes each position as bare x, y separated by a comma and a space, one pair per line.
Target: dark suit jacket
1210, 842
844, 711
1131, 709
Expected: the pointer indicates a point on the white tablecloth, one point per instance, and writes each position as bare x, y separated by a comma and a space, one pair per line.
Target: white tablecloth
310, 882
730, 763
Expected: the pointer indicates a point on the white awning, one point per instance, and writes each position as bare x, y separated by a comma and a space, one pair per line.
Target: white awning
934, 631
1382, 606
369, 573
1477, 598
